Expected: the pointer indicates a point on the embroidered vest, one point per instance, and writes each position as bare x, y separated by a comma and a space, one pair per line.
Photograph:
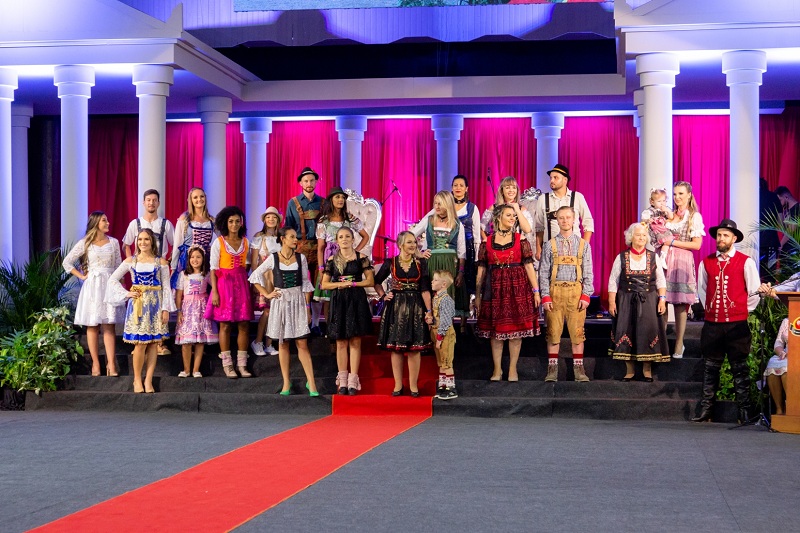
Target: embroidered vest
726, 293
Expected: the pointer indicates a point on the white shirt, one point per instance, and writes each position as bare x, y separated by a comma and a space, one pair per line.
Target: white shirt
476, 225
583, 217
751, 278
461, 244
638, 262
169, 233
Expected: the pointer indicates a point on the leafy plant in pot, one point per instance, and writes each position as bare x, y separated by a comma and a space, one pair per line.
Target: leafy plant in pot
26, 290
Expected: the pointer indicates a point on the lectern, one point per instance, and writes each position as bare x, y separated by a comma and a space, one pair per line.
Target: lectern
790, 422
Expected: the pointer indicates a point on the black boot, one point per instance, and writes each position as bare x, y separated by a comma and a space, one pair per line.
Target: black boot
741, 387
710, 384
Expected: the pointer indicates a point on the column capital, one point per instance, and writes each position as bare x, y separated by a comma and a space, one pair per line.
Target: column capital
744, 66
447, 127
657, 69
214, 109
256, 124
547, 120
21, 115
153, 79
74, 80
9, 82
351, 122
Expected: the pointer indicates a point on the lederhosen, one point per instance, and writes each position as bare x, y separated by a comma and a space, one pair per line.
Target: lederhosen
307, 246
551, 215
565, 296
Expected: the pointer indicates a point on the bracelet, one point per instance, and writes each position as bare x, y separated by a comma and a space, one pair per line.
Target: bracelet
308, 306
321, 268
427, 311
354, 284
460, 270
662, 297
535, 291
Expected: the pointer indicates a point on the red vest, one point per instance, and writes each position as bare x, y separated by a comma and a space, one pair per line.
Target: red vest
726, 292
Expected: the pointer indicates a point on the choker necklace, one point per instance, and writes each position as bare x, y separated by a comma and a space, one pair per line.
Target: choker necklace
634, 252
442, 219
284, 257
459, 202
503, 232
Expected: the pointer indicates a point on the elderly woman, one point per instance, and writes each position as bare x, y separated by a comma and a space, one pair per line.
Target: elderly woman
636, 299
507, 298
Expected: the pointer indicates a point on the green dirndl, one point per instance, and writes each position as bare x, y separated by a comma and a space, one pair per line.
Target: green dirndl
444, 259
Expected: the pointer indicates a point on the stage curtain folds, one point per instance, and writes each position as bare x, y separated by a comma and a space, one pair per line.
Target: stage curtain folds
402, 150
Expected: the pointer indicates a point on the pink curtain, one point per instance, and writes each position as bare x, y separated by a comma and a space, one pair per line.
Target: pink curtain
500, 146
602, 156
113, 170
701, 156
293, 146
403, 151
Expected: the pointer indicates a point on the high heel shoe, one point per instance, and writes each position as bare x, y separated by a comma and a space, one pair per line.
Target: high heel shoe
397, 392
139, 389
111, 375
151, 390
286, 392
311, 393
415, 394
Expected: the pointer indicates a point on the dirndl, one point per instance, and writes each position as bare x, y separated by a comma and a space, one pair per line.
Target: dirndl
235, 304
681, 277
444, 259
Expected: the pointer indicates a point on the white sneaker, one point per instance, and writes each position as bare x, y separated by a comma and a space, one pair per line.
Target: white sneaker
197, 375
258, 348
183, 375
270, 350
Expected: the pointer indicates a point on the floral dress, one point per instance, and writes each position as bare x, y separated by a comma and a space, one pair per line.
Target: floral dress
194, 327
92, 310
143, 324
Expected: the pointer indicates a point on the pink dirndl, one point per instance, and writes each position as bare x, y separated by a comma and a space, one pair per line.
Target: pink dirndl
235, 304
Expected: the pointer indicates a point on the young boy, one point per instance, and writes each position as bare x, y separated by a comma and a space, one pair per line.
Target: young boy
444, 309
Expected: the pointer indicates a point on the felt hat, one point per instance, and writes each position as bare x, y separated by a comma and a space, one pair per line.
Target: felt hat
729, 225
561, 169
271, 211
334, 191
306, 171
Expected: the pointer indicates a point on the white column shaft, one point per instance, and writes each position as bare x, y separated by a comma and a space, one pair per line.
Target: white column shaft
20, 212
351, 136
214, 113
8, 84
256, 133
447, 132
547, 130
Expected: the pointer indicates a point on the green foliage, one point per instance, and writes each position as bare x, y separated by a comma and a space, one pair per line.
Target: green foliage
38, 358
29, 288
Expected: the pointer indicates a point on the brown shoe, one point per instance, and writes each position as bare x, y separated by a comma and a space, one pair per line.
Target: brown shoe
552, 373
580, 375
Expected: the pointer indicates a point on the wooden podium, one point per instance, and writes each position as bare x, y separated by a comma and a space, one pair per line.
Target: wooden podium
790, 422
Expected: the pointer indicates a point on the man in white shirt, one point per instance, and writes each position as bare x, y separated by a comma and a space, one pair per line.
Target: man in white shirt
545, 223
163, 229
727, 284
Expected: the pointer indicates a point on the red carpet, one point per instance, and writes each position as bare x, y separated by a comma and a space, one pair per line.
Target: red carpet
226, 491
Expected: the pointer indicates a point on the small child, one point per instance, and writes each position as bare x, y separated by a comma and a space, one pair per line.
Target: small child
444, 309
656, 217
193, 329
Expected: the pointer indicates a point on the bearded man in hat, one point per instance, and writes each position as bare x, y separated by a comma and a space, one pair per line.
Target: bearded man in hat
301, 215
727, 283
545, 223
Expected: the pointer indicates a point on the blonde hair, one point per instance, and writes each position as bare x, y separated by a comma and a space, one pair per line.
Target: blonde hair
91, 233
446, 198
445, 275
657, 193
339, 259
189, 214
499, 198
497, 212
692, 206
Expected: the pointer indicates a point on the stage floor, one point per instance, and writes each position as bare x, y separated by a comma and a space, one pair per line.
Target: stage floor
447, 474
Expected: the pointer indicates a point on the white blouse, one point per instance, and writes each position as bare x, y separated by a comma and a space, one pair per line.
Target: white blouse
637, 263
118, 295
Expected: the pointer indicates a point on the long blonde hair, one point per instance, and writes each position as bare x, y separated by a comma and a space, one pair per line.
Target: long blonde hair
692, 206
499, 198
339, 260
189, 214
88, 239
446, 198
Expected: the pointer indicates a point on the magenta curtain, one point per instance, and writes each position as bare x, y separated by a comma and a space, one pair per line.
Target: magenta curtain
701, 156
402, 150
602, 155
294, 146
504, 146
113, 169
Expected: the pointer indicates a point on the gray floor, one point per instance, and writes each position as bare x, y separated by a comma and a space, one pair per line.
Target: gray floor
448, 474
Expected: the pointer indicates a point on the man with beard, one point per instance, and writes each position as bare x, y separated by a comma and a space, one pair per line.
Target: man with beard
727, 283
301, 215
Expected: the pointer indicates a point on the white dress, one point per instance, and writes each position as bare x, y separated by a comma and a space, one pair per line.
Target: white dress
777, 366
92, 310
288, 318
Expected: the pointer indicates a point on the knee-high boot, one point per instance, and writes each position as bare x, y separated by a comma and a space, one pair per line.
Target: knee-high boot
741, 387
710, 384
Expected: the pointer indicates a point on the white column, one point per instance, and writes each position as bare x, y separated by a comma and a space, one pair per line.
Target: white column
256, 132
351, 135
547, 130
447, 132
8, 84
152, 88
743, 70
657, 77
74, 84
214, 112
638, 123
20, 214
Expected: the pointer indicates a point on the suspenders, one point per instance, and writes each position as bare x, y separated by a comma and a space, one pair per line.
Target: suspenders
159, 236
548, 216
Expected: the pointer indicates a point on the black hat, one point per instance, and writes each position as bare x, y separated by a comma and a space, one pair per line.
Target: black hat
334, 191
306, 171
561, 169
729, 225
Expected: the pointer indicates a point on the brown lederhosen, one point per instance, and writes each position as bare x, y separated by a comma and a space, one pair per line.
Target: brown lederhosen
566, 296
307, 247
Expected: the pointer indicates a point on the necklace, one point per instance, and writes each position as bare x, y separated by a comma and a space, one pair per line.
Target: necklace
442, 218
634, 252
284, 258
459, 202
503, 232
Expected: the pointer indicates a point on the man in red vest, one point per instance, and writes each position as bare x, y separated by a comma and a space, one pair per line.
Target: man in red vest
727, 283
